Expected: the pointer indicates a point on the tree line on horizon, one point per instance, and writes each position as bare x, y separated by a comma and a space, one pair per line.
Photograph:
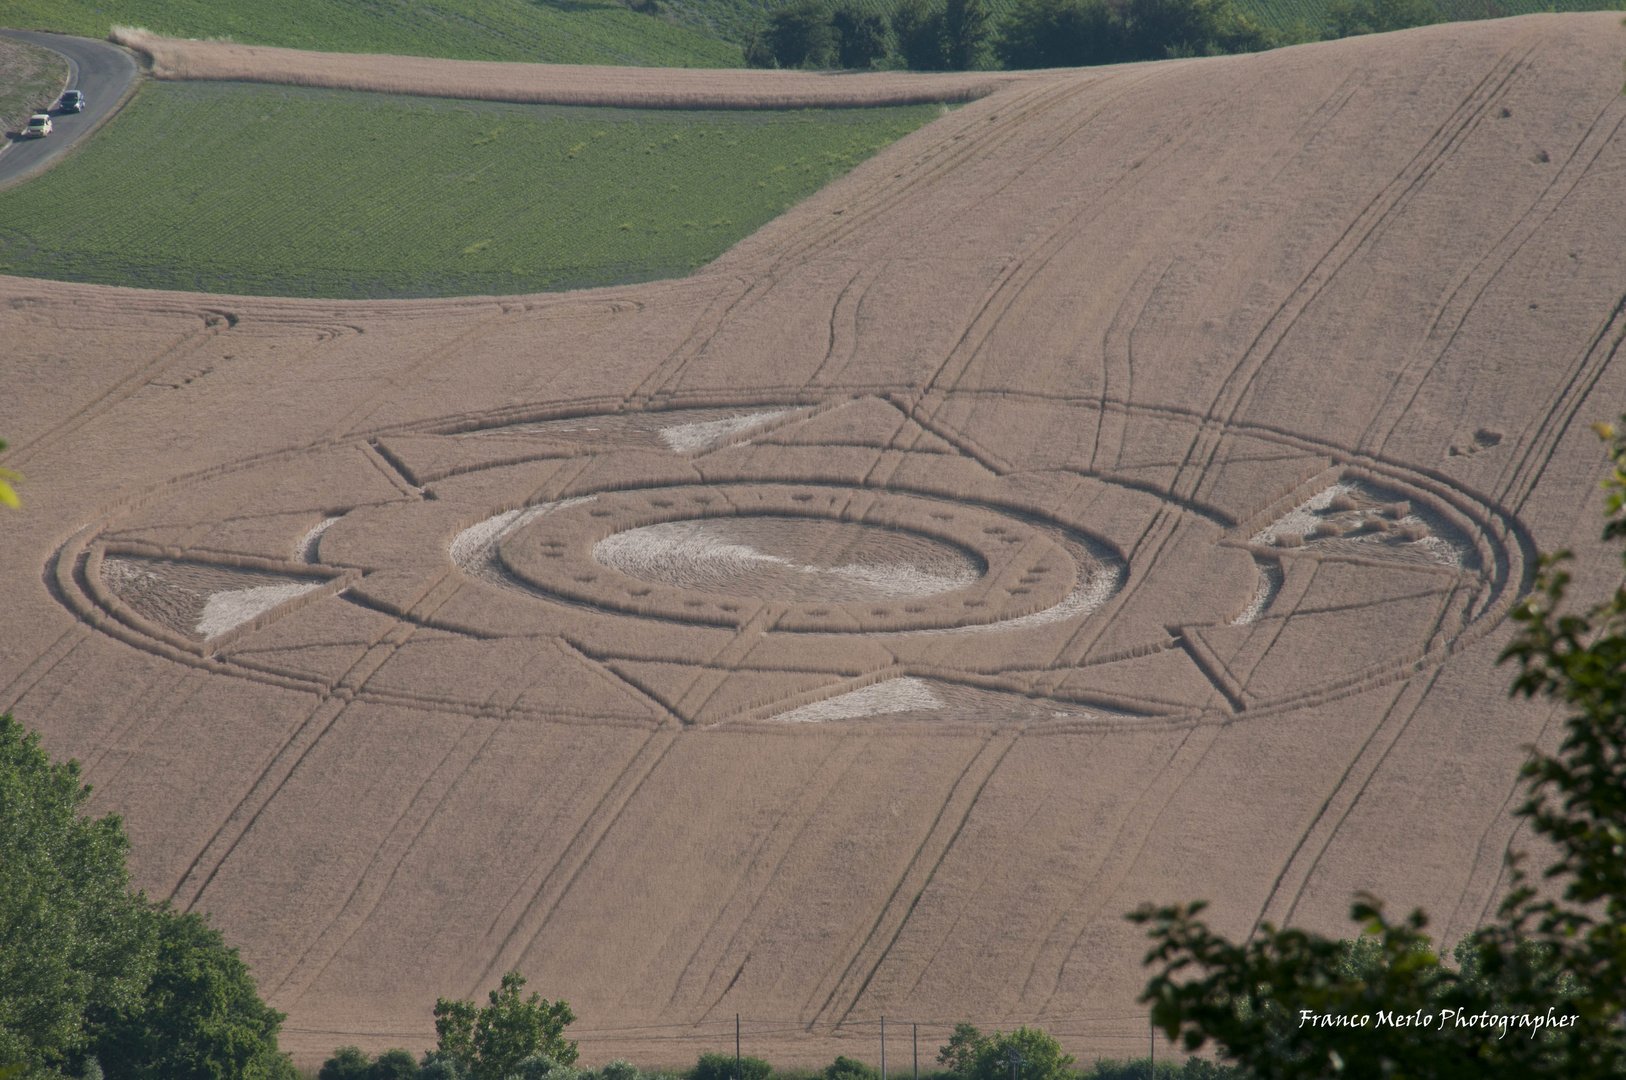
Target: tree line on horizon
964, 35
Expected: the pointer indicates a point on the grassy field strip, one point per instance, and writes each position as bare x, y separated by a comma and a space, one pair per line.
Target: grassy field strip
30, 80
245, 188
563, 32
638, 88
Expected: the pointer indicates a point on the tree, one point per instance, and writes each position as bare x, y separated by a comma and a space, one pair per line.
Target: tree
394, 1064
489, 1042
1041, 1056
1059, 33
351, 1063
861, 37
1347, 18
72, 936
917, 27
1552, 967
801, 35
723, 1067
845, 1068
959, 1056
966, 26
200, 1017
93, 978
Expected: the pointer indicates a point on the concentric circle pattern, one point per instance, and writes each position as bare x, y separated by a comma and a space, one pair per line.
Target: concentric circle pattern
842, 560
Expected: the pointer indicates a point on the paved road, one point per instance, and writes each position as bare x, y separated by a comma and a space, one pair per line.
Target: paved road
104, 72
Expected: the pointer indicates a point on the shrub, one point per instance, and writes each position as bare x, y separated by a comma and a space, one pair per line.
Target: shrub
347, 1063
1059, 33
801, 35
1042, 1056
845, 1068
394, 1064
860, 36
917, 27
1346, 18
490, 1042
1066, 33
722, 1067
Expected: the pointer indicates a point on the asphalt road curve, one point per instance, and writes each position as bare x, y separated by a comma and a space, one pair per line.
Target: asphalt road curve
104, 72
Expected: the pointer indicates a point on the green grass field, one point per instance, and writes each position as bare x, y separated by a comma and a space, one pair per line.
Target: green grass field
554, 31
245, 188
30, 78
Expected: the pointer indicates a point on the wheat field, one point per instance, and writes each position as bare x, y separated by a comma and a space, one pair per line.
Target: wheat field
1171, 442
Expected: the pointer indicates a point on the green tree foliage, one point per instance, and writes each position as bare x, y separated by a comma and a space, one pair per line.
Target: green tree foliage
959, 1055
490, 1041
801, 35
845, 1068
347, 1063
971, 1055
351, 1063
917, 28
394, 1064
73, 939
861, 36
967, 26
722, 1067
93, 979
942, 35
201, 1017
1068, 33
1059, 33
1347, 18
1538, 993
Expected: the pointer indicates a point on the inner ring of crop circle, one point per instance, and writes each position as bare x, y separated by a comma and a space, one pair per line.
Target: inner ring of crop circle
975, 566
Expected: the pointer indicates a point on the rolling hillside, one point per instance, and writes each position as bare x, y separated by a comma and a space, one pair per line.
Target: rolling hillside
1113, 491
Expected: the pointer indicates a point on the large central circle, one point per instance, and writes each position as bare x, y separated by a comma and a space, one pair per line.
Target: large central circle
790, 559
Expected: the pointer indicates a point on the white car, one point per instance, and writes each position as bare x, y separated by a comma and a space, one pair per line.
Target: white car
39, 126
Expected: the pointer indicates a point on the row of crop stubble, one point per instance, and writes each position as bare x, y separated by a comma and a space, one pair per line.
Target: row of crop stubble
283, 191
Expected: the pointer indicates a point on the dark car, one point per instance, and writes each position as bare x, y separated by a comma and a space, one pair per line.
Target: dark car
72, 101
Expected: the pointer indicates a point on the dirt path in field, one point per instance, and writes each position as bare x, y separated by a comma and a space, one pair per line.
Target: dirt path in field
1111, 492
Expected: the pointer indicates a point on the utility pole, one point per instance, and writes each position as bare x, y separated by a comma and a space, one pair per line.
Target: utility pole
883, 1048
739, 1071
917, 1051
1015, 1061
1151, 1042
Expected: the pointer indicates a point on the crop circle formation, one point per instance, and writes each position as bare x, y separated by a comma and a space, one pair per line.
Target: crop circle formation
636, 535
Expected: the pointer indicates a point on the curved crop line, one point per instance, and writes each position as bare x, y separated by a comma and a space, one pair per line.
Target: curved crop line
497, 961
1125, 861
1315, 819
1353, 238
1562, 407
1366, 782
931, 875
380, 856
276, 788
851, 749
1528, 224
